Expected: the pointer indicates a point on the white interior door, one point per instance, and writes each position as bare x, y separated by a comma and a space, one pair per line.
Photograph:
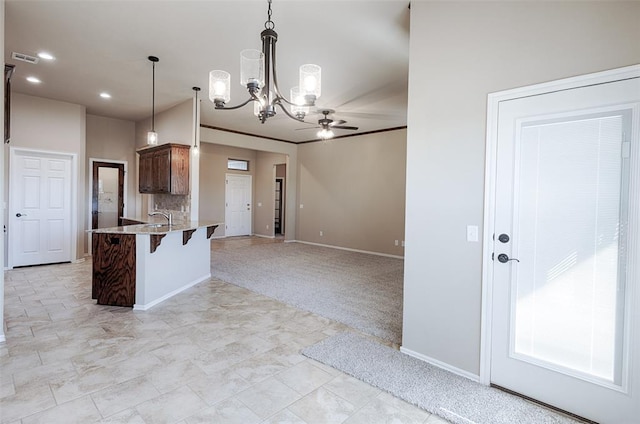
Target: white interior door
40, 217
238, 205
565, 282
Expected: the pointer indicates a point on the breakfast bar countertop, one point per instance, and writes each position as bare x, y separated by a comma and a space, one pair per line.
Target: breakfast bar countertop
157, 228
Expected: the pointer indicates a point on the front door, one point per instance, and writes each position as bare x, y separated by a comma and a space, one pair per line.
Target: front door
238, 205
565, 279
40, 216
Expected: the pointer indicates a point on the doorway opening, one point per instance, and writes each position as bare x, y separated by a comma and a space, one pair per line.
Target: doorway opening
280, 199
107, 194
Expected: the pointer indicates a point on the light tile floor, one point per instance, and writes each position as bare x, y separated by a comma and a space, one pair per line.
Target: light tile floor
216, 353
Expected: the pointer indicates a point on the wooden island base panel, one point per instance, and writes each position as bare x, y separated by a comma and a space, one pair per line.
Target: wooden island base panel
142, 265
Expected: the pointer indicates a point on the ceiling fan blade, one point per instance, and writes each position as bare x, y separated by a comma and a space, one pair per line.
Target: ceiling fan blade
308, 128
344, 127
370, 115
338, 122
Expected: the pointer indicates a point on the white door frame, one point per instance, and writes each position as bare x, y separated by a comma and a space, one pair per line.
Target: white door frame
89, 200
226, 176
493, 102
13, 152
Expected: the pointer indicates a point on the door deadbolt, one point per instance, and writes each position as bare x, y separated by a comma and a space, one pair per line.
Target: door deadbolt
505, 258
503, 238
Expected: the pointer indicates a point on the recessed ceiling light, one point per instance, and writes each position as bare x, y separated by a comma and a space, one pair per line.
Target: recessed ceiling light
33, 80
105, 95
45, 56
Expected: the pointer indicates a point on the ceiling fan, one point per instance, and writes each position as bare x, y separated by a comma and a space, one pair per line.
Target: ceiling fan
327, 124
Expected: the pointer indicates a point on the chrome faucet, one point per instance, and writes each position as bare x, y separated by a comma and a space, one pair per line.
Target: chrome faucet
166, 215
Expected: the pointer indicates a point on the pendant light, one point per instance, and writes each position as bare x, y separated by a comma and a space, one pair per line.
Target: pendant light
195, 123
152, 136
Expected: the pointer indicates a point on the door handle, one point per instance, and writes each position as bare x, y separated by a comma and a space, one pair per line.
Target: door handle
20, 214
503, 258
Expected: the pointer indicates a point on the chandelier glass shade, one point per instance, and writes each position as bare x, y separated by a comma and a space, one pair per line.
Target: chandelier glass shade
298, 108
258, 76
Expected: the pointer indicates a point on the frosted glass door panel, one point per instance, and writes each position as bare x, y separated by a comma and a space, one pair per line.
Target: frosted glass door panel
567, 308
108, 197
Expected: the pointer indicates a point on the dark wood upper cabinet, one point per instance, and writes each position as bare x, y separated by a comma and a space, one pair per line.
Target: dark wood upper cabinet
164, 169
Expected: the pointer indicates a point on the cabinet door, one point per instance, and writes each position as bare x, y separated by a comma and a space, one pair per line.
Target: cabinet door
145, 184
114, 269
180, 170
165, 169
161, 171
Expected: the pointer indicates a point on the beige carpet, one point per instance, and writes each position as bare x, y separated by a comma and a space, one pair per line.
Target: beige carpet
360, 290
438, 391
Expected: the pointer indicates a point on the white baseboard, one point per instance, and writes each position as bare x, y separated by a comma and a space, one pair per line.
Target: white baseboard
78, 261
2, 338
348, 249
147, 306
440, 364
263, 236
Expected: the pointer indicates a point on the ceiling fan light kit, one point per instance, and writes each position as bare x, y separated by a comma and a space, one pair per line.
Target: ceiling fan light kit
258, 75
327, 125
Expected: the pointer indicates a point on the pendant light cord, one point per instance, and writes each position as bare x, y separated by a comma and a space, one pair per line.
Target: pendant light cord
195, 120
153, 96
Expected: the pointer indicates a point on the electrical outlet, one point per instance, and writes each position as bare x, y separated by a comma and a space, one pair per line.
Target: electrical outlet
321, 233
267, 226
301, 206
259, 204
402, 243
396, 242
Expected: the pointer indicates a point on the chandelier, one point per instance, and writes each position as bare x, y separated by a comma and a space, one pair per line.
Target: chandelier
258, 75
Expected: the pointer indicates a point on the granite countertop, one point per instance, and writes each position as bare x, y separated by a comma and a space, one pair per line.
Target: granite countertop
157, 228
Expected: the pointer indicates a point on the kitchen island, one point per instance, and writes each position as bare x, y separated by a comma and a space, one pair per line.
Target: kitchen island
142, 265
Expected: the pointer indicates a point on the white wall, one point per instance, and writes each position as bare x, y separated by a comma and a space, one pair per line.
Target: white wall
264, 194
353, 190
174, 125
43, 124
111, 139
460, 52
209, 135
212, 193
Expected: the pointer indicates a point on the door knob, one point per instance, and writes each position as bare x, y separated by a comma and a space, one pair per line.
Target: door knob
503, 238
505, 258
20, 214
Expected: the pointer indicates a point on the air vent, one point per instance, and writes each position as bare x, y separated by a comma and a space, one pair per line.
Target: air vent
24, 58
